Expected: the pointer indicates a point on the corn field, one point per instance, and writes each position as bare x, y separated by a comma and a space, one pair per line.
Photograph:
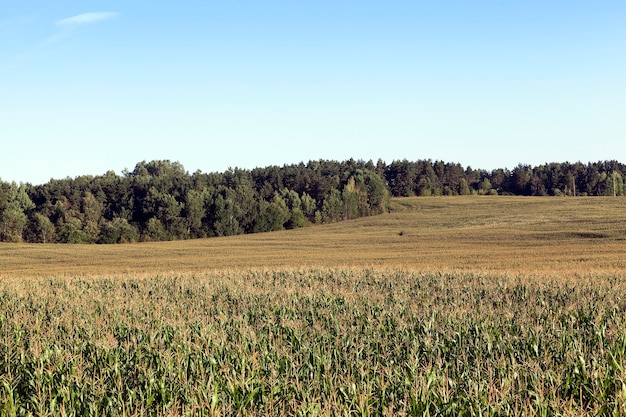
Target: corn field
342, 342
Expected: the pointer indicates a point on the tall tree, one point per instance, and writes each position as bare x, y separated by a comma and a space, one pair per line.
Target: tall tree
194, 212
332, 207
43, 228
225, 214
91, 210
14, 218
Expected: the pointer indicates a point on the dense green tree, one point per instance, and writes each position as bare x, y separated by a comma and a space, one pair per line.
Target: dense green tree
463, 187
374, 191
521, 176
454, 180
91, 210
427, 182
278, 213
169, 214
308, 206
332, 207
167, 210
43, 229
400, 177
263, 221
71, 231
13, 222
119, 230
291, 198
484, 187
296, 219
537, 185
154, 230
225, 214
500, 180
613, 184
350, 197
159, 200
15, 209
195, 213
244, 199
294, 204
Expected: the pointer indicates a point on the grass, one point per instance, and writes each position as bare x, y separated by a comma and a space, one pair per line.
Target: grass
445, 306
517, 235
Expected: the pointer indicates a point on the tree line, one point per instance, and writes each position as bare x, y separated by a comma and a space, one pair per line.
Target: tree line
426, 178
159, 200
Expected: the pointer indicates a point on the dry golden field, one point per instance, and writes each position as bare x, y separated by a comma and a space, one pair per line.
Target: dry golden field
514, 235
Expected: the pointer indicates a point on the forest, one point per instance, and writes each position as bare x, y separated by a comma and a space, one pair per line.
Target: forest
160, 200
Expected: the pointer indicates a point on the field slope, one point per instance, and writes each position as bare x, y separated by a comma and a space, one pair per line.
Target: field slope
518, 235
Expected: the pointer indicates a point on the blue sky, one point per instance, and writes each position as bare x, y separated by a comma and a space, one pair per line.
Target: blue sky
91, 86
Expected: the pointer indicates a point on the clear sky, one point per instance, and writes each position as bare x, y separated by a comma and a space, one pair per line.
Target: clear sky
91, 86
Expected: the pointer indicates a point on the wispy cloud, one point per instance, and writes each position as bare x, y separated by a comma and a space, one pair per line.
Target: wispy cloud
85, 18
63, 29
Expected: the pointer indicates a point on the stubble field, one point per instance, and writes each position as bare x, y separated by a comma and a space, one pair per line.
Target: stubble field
445, 306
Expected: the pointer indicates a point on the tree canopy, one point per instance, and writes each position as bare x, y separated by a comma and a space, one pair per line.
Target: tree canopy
159, 200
